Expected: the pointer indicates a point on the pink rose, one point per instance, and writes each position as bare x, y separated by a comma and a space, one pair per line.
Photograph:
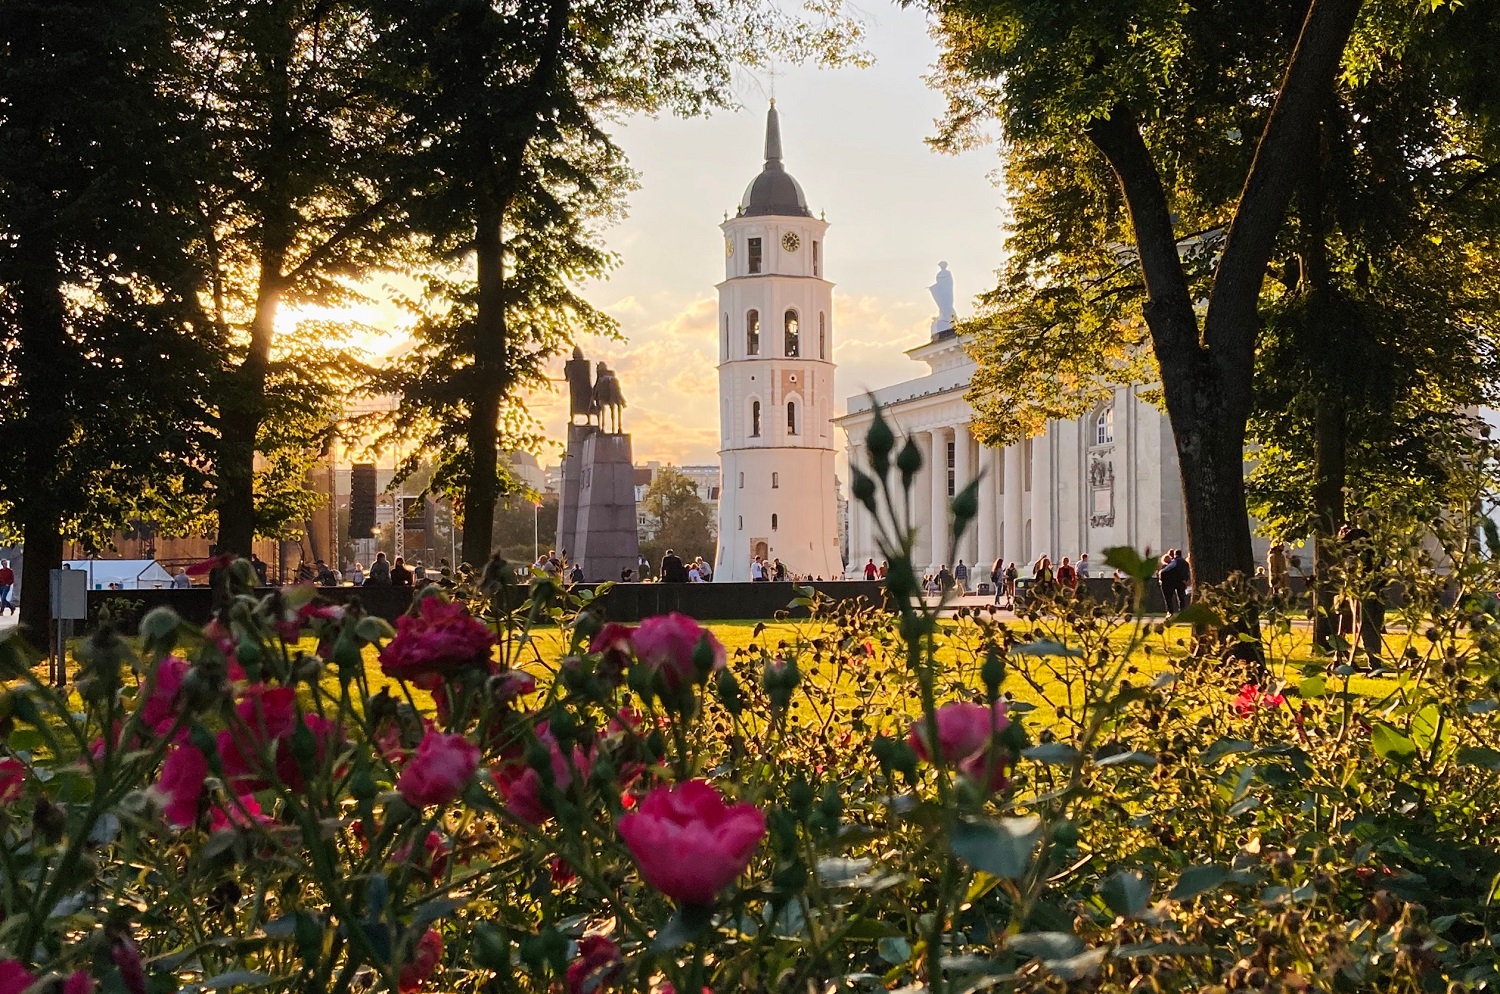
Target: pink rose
435, 864
666, 643
688, 843
128, 958
423, 963
14, 978
159, 711
209, 565
520, 788
962, 730
269, 718
180, 785
442, 767
598, 966
78, 982
242, 813
441, 640
1252, 699
12, 779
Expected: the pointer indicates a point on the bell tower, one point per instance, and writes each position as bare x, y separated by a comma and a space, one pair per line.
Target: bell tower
776, 496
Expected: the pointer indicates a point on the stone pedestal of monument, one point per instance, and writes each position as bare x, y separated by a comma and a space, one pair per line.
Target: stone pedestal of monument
596, 513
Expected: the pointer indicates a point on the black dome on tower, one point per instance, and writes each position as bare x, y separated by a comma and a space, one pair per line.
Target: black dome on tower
774, 191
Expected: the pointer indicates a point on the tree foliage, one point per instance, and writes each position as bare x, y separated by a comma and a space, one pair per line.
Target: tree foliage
683, 521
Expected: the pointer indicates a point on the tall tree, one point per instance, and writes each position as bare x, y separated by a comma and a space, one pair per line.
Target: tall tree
517, 178
296, 202
104, 345
1087, 81
683, 521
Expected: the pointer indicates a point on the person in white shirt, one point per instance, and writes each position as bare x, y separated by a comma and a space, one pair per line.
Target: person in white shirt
693, 575
1083, 566
757, 571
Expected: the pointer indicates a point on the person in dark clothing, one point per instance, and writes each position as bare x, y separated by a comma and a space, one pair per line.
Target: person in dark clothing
672, 570
1363, 564
259, 565
400, 575
1173, 580
779, 571
576, 575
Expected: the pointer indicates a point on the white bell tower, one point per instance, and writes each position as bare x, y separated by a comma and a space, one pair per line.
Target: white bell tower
776, 496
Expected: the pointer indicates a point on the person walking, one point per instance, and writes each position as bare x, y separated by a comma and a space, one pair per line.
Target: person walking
1012, 574
944, 579
997, 575
871, 570
7, 584
1083, 566
961, 577
1278, 570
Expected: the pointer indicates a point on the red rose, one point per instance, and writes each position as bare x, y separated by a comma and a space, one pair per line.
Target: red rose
269, 719
598, 966
12, 779
180, 785
435, 863
14, 977
442, 767
441, 640
424, 961
128, 958
965, 742
242, 813
209, 565
667, 643
520, 788
688, 843
78, 982
158, 712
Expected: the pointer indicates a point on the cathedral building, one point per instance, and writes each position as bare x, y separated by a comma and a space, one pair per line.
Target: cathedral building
1104, 479
777, 495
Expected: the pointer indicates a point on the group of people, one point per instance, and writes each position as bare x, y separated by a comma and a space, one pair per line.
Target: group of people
674, 569
381, 573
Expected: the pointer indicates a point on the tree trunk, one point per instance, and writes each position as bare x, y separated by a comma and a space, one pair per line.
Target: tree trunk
1330, 470
482, 437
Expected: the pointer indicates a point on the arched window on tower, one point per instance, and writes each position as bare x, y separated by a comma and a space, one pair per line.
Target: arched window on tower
775, 481
773, 522
752, 333
726, 335
822, 334
755, 419
791, 417
815, 258
793, 346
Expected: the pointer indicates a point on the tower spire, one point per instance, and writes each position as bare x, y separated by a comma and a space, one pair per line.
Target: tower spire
773, 138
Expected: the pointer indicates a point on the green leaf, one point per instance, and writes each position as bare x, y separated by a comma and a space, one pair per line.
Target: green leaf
894, 950
1424, 726
372, 628
1132, 758
1197, 879
1045, 945
834, 871
1135, 950
1131, 563
686, 924
1391, 744
1484, 758
1000, 848
1044, 648
1056, 753
1077, 967
1197, 614
1126, 893
1224, 747
1313, 686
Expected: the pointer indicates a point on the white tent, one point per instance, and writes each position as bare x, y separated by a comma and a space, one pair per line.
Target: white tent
130, 574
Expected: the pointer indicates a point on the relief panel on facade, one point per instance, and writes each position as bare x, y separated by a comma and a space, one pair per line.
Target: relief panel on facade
1102, 490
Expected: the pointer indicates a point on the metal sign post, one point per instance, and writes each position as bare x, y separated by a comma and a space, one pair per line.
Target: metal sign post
70, 602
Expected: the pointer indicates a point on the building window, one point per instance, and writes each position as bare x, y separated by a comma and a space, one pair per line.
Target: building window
755, 419
952, 462
1104, 427
793, 346
791, 417
742, 522
822, 333
775, 481
742, 481
752, 333
754, 255
815, 258
773, 522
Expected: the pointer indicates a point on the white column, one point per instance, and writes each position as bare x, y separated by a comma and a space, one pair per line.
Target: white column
921, 502
963, 475
940, 501
988, 511
856, 551
1015, 513
1043, 496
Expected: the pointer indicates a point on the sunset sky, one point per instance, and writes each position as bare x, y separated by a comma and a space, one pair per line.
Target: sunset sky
855, 140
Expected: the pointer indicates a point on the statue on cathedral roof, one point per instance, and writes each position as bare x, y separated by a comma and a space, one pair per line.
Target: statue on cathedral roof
942, 295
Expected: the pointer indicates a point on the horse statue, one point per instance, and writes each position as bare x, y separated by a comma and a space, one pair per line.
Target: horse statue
608, 397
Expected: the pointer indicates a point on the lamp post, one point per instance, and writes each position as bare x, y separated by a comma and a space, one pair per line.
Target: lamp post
536, 532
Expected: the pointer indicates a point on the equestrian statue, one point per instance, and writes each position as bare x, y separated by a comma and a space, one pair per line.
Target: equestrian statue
592, 396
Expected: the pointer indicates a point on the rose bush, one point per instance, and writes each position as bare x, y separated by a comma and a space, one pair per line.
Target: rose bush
507, 792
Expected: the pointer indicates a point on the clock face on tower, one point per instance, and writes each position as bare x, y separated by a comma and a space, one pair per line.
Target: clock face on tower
790, 241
